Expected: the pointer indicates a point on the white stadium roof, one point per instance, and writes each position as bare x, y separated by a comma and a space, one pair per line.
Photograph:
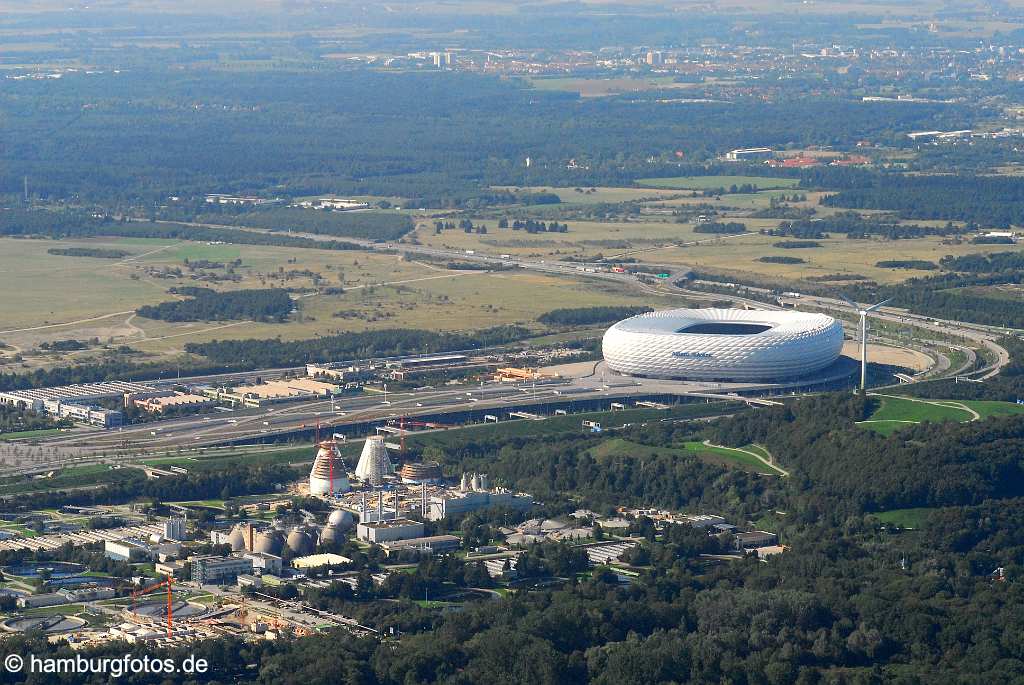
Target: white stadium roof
723, 344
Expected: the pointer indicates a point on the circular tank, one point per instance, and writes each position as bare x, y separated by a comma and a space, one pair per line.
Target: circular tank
300, 543
269, 542
237, 539
331, 535
340, 518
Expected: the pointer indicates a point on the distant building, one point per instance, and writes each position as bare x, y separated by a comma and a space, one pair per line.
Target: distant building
388, 531
174, 529
755, 539
212, 570
432, 544
265, 563
440, 506
87, 594
48, 599
240, 200
174, 569
285, 390
128, 550
85, 413
743, 154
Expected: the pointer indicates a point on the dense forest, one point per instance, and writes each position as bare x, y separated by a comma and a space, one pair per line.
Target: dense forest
79, 224
258, 353
203, 304
583, 316
438, 139
851, 601
984, 200
97, 252
922, 465
719, 227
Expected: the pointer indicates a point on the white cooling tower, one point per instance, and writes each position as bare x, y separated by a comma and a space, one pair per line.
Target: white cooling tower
374, 463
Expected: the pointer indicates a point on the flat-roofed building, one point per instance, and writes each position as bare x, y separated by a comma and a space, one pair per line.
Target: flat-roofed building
431, 544
462, 502
387, 531
128, 550
754, 539
286, 390
265, 563
84, 393
213, 570
159, 405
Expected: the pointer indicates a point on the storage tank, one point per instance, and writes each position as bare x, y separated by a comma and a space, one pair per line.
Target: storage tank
269, 542
237, 539
300, 543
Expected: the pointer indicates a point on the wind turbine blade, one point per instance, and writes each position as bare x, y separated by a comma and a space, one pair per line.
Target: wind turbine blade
848, 302
876, 306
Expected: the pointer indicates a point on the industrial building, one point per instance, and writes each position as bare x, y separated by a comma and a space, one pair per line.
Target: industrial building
389, 531
431, 544
743, 154
212, 570
470, 498
128, 550
169, 400
86, 393
343, 373
272, 392
174, 529
735, 345
265, 563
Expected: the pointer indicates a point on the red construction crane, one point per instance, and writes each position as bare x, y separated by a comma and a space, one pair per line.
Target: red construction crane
168, 582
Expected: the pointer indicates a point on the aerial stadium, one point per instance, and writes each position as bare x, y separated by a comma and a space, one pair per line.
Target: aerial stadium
728, 345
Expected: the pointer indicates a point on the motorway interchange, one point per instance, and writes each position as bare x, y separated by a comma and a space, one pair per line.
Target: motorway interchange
591, 382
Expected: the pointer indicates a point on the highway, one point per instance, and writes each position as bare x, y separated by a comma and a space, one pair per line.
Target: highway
254, 424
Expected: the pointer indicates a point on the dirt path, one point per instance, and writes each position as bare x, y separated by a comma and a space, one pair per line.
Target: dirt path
975, 416
67, 323
781, 471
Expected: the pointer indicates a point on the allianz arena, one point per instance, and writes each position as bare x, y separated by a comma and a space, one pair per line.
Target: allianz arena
730, 345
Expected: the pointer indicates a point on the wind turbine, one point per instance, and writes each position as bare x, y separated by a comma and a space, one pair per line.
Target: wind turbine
864, 337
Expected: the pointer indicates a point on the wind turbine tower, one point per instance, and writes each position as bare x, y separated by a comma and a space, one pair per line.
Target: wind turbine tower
864, 337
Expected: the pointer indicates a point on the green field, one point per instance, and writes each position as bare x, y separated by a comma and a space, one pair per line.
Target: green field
905, 518
42, 433
894, 413
987, 408
711, 182
567, 424
729, 457
77, 476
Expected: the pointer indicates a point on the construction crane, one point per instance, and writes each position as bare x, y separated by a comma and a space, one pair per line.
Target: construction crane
168, 582
405, 421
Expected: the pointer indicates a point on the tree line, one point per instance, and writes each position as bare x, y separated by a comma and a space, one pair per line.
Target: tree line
203, 304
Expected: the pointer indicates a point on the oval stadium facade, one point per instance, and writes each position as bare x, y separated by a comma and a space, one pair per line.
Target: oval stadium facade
731, 345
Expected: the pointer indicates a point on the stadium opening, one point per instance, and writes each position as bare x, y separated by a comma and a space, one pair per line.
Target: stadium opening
729, 345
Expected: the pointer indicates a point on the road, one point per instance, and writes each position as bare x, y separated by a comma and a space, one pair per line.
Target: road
242, 424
